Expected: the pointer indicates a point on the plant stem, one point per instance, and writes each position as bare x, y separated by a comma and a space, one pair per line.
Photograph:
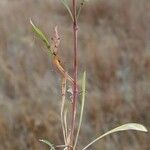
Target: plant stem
74, 103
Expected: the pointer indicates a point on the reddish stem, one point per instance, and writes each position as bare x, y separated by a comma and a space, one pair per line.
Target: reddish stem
74, 104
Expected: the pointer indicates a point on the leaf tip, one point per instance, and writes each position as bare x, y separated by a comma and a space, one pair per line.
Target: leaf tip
144, 129
31, 22
138, 127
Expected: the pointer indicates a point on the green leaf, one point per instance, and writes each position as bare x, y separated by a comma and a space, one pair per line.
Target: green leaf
67, 7
128, 126
82, 107
48, 143
41, 35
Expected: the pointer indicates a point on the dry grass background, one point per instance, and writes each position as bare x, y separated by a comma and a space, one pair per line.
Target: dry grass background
114, 47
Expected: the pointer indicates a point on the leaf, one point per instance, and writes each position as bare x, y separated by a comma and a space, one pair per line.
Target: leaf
67, 7
82, 107
41, 35
128, 126
48, 143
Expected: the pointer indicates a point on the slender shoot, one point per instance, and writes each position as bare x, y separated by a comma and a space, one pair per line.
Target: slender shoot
67, 7
82, 108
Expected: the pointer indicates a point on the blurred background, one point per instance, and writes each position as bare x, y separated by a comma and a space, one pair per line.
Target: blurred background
114, 48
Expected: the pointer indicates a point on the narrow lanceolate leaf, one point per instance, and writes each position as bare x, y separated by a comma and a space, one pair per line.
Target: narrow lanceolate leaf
128, 126
82, 108
47, 143
67, 7
41, 35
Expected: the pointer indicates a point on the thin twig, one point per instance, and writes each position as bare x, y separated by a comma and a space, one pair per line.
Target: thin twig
82, 108
80, 8
65, 122
62, 107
